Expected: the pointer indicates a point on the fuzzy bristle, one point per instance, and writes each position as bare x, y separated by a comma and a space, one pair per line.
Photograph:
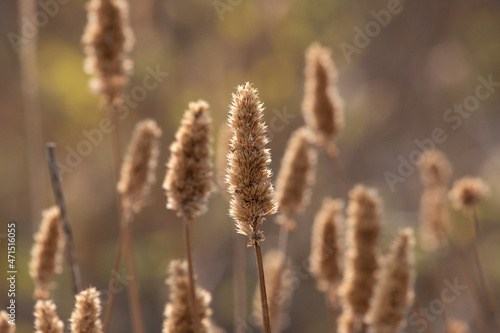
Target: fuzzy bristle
325, 247
46, 318
297, 174
189, 179
107, 41
223, 142
5, 326
278, 284
47, 252
394, 291
138, 169
468, 192
178, 317
248, 173
361, 258
85, 317
435, 168
322, 106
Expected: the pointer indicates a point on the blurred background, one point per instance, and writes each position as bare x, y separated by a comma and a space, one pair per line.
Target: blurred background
397, 82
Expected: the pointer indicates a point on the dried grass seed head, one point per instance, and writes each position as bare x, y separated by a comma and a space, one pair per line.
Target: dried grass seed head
5, 326
85, 317
178, 318
435, 168
108, 40
322, 106
434, 218
248, 172
325, 248
47, 252
46, 318
394, 291
361, 258
468, 192
456, 326
138, 170
190, 177
297, 174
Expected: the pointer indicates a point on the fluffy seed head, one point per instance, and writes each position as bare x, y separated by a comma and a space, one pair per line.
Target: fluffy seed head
178, 318
107, 41
47, 252
138, 169
221, 157
346, 322
85, 317
46, 318
248, 173
361, 259
468, 192
457, 326
434, 217
435, 168
325, 249
5, 327
278, 285
322, 106
297, 174
394, 293
189, 179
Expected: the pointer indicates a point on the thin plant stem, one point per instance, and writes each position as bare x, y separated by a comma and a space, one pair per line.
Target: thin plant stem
262, 284
480, 271
126, 219
70, 245
134, 298
192, 296
239, 284
338, 172
283, 248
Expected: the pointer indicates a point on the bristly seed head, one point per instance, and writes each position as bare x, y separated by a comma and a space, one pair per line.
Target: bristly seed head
5, 326
248, 173
190, 177
46, 318
468, 192
85, 317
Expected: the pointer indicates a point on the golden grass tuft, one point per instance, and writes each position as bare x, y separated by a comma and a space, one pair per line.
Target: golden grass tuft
297, 174
46, 318
138, 169
47, 252
325, 247
178, 317
457, 326
468, 192
107, 41
248, 173
85, 317
394, 291
5, 327
322, 105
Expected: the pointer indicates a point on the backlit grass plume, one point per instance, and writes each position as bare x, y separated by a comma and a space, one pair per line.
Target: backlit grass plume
46, 318
457, 326
279, 286
138, 169
189, 179
86, 314
297, 175
346, 322
361, 258
322, 105
435, 172
178, 317
5, 327
47, 252
248, 173
325, 247
468, 192
394, 291
107, 41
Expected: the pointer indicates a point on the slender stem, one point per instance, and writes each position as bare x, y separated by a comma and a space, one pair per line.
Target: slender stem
126, 219
239, 284
192, 296
283, 248
480, 271
338, 172
58, 194
262, 284
134, 298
